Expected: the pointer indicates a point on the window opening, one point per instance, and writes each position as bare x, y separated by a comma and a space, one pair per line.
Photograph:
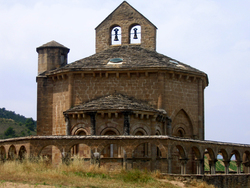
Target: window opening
135, 35
116, 36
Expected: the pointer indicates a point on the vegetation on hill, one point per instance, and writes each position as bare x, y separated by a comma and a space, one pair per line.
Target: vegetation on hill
15, 125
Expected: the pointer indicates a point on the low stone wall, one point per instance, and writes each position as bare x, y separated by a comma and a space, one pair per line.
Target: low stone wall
219, 180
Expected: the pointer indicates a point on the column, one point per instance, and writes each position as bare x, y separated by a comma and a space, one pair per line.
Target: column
169, 165
93, 122
200, 109
126, 124
199, 166
70, 90
226, 164
161, 89
169, 127
67, 123
212, 165
183, 166
238, 163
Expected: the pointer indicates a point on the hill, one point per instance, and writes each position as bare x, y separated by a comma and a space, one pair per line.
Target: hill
15, 125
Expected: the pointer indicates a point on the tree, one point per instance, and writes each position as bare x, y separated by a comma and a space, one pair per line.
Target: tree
10, 132
30, 124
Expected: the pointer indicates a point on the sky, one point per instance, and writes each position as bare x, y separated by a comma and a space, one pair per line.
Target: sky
210, 35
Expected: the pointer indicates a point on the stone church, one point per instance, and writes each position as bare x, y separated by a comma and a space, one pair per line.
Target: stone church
126, 106
125, 88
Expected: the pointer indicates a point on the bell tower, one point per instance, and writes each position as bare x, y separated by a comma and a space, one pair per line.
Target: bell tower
51, 55
125, 26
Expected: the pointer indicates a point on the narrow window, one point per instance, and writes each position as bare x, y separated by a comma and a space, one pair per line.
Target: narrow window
135, 34
116, 37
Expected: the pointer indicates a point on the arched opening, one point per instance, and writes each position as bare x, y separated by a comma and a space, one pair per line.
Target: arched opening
151, 160
246, 162
2, 154
179, 160
182, 125
143, 149
195, 161
22, 153
116, 35
209, 161
111, 150
235, 162
51, 155
79, 149
180, 133
135, 34
12, 153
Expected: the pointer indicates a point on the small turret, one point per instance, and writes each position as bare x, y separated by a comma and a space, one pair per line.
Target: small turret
51, 55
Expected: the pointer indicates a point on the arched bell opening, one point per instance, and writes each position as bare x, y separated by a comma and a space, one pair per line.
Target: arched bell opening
135, 34
115, 35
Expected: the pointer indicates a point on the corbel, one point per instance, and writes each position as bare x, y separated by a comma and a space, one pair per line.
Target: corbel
83, 75
107, 75
117, 75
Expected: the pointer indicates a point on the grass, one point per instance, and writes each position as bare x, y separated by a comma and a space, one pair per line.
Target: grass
77, 174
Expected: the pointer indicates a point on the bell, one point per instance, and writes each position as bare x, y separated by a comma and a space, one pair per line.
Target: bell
116, 38
135, 33
116, 34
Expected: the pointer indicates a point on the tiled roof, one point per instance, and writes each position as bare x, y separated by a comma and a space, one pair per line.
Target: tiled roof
117, 102
133, 58
52, 44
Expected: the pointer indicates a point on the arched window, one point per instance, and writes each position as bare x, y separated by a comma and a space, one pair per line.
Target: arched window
135, 34
116, 37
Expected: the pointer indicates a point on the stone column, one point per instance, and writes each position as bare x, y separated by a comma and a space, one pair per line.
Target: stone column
183, 166
126, 124
226, 164
169, 165
200, 109
70, 90
238, 163
67, 123
93, 122
199, 166
161, 89
169, 127
212, 165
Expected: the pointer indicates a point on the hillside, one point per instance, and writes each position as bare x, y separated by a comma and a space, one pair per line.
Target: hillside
14, 125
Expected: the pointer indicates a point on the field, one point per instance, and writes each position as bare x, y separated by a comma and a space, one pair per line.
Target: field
78, 174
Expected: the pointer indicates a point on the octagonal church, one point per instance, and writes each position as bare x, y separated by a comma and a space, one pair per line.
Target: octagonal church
125, 88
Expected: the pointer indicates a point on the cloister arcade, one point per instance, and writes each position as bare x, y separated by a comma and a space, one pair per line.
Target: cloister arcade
167, 154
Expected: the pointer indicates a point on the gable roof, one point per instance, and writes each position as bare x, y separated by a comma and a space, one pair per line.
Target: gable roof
124, 3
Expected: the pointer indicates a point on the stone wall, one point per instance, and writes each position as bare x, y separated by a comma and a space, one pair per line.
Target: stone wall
179, 97
219, 181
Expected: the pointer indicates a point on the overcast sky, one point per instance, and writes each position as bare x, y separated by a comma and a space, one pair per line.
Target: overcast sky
211, 35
